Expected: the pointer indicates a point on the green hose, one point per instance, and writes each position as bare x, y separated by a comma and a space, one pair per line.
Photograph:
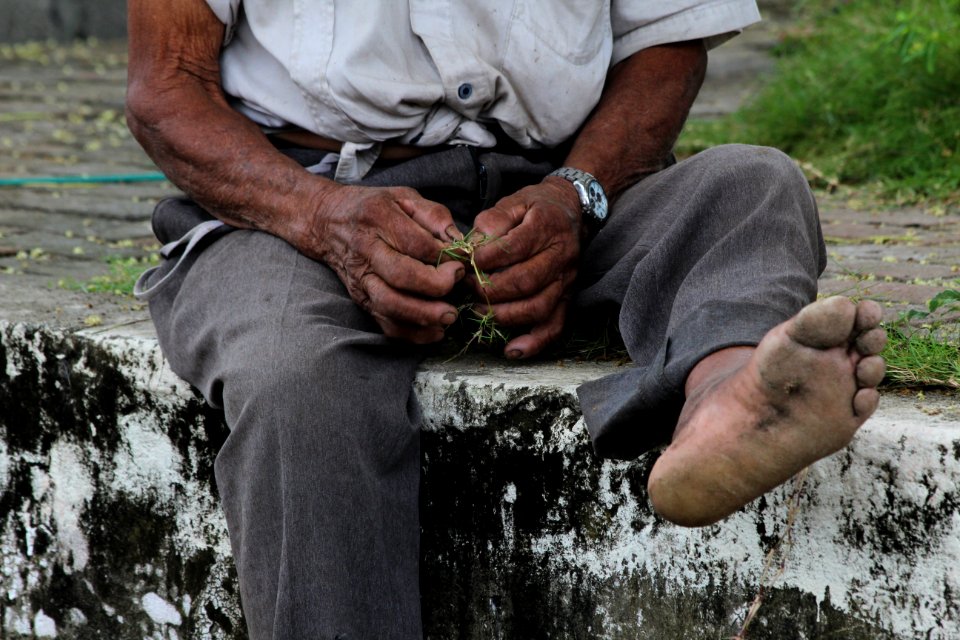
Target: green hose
153, 176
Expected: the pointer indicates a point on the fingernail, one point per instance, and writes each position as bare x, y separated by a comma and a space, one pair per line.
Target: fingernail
452, 232
460, 273
514, 354
448, 318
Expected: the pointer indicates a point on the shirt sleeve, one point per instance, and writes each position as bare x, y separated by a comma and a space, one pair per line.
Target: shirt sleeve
638, 24
227, 12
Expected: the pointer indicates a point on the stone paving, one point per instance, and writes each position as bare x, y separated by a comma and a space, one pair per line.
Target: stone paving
61, 114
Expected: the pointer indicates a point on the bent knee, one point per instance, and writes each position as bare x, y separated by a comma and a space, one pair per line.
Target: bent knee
760, 165
758, 178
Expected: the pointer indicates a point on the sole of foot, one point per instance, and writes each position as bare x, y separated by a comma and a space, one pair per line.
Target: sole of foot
798, 397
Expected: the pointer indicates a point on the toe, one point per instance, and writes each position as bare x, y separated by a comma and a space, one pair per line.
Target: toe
865, 402
869, 315
871, 342
870, 371
825, 323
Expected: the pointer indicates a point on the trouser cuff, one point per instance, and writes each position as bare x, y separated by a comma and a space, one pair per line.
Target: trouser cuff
635, 410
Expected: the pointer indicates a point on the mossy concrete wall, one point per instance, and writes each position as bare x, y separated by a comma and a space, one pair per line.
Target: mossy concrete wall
109, 525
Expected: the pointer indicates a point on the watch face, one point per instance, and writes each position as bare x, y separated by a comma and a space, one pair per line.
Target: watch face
598, 200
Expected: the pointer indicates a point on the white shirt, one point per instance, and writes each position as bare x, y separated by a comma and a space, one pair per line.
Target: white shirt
429, 72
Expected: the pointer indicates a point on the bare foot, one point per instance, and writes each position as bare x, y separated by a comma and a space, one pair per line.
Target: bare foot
755, 417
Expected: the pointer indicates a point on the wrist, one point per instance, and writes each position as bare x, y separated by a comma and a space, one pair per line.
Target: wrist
590, 193
306, 225
569, 195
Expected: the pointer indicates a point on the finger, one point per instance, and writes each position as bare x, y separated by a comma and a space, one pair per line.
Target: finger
432, 216
524, 280
529, 311
511, 248
539, 337
499, 219
386, 302
527, 232
410, 239
538, 232
407, 274
409, 333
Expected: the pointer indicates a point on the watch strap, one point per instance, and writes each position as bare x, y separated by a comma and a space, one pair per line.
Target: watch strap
573, 175
582, 181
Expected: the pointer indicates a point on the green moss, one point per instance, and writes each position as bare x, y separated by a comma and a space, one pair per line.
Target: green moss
53, 396
76, 392
482, 578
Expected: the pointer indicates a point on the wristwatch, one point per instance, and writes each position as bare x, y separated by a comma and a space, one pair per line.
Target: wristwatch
593, 199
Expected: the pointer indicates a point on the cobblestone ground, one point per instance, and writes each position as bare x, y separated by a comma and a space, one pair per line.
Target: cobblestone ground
61, 114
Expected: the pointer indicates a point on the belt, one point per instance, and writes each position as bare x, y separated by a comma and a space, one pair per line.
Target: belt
388, 150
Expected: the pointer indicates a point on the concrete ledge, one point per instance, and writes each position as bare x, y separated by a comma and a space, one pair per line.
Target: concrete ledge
109, 525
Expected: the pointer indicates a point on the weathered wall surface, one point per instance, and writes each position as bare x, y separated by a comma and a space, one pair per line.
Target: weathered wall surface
109, 525
22, 20
108, 519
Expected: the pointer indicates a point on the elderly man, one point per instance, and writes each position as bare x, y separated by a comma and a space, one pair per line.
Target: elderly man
331, 151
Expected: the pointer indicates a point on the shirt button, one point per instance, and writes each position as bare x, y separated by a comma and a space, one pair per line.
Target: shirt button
464, 91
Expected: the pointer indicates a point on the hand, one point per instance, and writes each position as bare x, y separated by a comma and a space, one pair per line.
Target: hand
532, 264
383, 243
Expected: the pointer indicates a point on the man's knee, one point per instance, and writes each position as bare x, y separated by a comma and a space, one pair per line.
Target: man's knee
751, 166
736, 181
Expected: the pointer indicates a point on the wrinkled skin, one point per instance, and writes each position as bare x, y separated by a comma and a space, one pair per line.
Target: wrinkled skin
384, 243
533, 263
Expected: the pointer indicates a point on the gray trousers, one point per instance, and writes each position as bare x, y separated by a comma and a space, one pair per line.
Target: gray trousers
319, 476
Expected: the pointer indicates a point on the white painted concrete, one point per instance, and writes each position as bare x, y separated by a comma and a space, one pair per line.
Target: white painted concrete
877, 532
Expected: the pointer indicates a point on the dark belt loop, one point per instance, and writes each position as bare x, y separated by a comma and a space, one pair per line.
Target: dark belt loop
481, 174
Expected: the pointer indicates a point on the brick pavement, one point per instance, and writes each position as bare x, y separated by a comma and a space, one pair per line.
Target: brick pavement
61, 113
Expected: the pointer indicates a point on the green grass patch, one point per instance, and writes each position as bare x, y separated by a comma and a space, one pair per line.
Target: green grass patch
925, 354
921, 361
122, 275
863, 92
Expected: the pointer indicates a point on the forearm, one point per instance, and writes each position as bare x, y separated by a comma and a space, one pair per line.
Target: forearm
223, 161
177, 111
641, 112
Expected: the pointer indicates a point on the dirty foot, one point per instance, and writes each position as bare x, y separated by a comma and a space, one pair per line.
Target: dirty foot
755, 417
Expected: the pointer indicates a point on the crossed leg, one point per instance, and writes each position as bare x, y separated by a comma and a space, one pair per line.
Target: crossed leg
754, 417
